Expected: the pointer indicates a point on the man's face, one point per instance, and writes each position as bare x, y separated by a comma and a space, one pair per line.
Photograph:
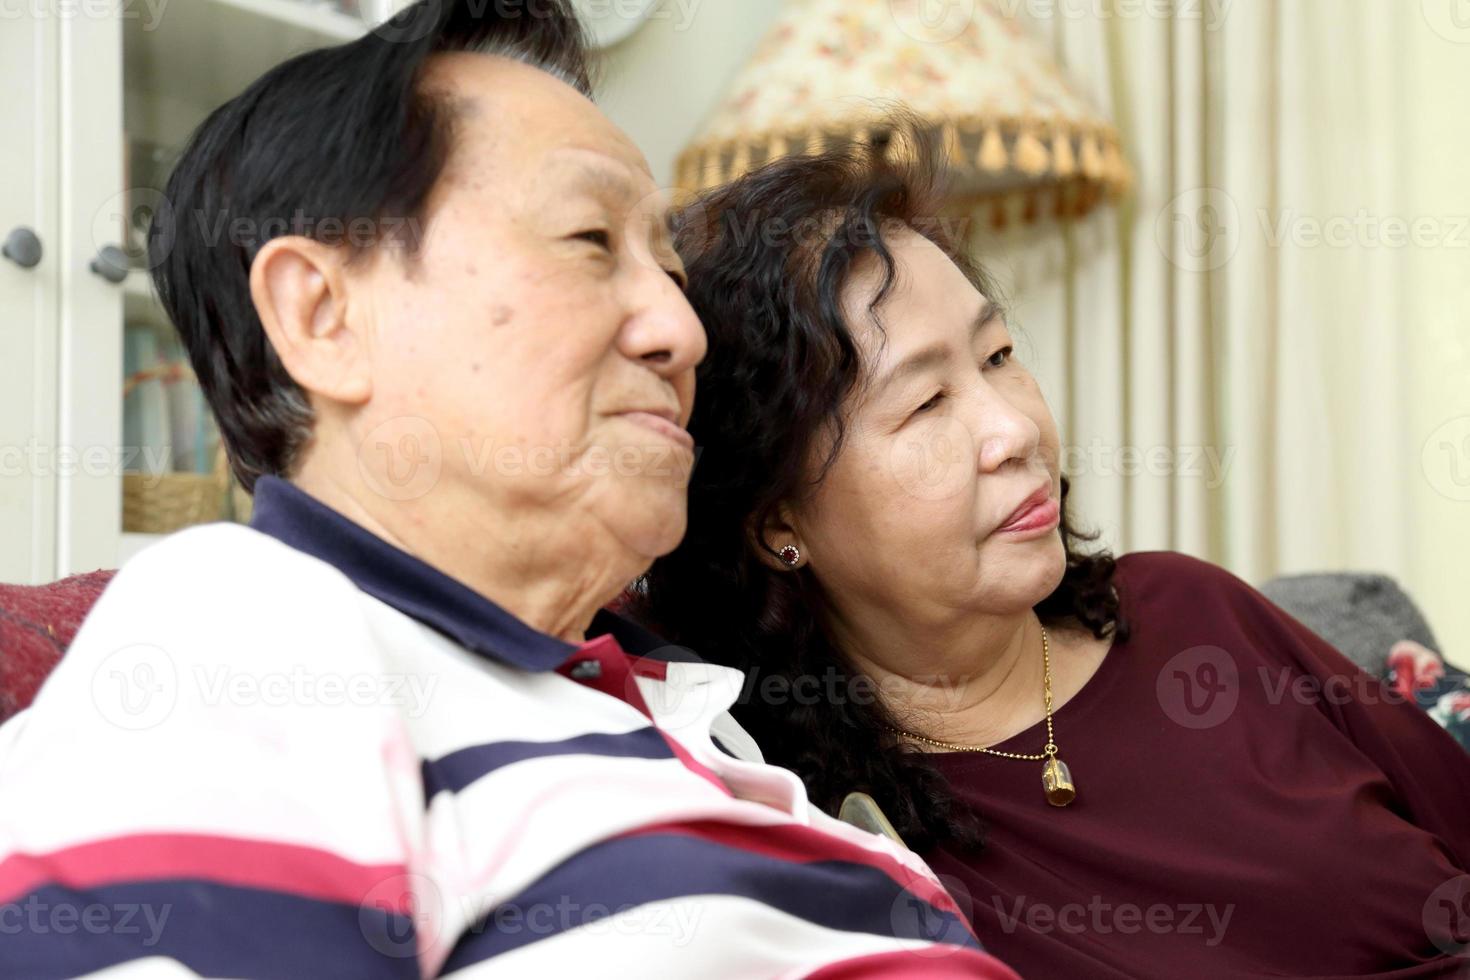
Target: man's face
542, 342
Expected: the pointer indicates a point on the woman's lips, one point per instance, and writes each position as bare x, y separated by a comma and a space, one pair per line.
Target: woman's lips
663, 427
1041, 517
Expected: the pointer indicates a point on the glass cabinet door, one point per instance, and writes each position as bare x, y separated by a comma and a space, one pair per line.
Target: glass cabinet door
164, 468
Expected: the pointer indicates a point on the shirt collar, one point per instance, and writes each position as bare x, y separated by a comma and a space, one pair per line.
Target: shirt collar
418, 589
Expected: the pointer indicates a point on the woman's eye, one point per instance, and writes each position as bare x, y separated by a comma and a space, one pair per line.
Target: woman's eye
1004, 354
931, 404
597, 236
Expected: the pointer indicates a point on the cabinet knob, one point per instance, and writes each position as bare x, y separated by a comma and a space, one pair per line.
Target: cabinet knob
111, 264
22, 247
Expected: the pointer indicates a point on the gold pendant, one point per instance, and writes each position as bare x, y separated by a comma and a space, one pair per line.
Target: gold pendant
1056, 779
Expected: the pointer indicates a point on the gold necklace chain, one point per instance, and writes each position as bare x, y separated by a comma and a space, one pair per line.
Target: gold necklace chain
1047, 751
1056, 778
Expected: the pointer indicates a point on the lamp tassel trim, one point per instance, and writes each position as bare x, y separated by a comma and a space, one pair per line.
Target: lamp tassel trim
740, 165
712, 175
1000, 213
1032, 208
901, 151
1089, 159
1031, 156
1063, 163
1092, 159
1116, 173
952, 145
993, 158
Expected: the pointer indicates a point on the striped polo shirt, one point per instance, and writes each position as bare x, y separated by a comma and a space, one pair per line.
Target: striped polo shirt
294, 750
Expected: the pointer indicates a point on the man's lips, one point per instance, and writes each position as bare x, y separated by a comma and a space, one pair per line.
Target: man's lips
662, 422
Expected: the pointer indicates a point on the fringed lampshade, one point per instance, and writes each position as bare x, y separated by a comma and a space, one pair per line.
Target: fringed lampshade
996, 106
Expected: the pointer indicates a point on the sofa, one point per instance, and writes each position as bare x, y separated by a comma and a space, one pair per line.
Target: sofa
1366, 616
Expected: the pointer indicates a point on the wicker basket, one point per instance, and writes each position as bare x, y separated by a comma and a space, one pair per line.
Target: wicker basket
154, 504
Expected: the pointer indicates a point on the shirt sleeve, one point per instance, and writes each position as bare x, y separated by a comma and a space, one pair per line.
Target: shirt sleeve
1426, 766
197, 793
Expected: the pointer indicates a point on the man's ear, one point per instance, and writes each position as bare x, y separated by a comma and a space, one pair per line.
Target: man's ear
300, 289
779, 531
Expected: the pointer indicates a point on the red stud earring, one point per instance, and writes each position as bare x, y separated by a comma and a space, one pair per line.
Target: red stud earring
790, 555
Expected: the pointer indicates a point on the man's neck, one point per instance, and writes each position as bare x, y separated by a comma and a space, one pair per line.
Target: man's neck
547, 577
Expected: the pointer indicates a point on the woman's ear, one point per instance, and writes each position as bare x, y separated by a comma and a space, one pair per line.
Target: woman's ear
778, 533
300, 289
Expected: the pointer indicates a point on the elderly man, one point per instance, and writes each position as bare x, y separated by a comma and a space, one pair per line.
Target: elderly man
388, 729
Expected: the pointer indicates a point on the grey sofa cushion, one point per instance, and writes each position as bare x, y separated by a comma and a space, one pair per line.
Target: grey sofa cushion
1362, 614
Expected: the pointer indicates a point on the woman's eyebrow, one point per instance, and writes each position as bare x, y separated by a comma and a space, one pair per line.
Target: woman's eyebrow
936, 354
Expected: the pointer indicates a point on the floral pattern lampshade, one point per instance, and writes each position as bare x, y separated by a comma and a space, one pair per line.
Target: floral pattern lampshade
988, 94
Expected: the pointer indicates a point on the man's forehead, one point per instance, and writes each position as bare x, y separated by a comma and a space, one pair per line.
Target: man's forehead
516, 111
620, 176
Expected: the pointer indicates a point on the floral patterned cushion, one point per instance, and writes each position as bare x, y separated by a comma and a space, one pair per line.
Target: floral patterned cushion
1442, 690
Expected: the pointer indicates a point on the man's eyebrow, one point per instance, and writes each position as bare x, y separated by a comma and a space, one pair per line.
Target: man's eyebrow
604, 178
936, 354
599, 175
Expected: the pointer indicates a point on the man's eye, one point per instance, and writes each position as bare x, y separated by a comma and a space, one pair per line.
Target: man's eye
597, 236
1004, 354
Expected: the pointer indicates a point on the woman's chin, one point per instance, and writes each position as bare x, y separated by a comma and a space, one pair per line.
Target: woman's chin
1034, 567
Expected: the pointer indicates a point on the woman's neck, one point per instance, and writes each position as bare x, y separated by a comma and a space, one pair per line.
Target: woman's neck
976, 681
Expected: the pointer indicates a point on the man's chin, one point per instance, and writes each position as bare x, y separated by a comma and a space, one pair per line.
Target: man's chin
655, 524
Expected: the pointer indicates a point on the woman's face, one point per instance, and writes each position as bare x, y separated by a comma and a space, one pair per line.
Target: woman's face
947, 434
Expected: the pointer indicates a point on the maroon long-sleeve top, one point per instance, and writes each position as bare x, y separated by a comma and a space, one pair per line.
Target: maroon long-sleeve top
1249, 804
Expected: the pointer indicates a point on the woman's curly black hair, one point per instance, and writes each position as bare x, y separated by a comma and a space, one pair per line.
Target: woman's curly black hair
768, 257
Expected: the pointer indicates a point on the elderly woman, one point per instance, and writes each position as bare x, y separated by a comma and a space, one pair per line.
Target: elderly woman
1122, 768
388, 730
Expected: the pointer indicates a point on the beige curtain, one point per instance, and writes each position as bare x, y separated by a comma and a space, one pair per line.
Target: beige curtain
1263, 357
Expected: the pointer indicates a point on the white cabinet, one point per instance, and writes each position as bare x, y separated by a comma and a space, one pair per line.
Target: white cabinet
29, 296
99, 98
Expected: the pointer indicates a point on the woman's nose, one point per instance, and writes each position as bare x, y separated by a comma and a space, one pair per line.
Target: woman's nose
1004, 431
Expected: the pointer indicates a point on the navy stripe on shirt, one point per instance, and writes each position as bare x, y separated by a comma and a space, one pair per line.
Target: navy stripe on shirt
213, 929
628, 872
458, 769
